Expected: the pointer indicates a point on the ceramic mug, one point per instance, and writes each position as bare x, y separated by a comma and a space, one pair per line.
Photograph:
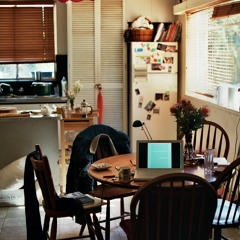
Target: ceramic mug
124, 173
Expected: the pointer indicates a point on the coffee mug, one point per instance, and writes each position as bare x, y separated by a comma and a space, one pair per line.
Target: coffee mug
124, 173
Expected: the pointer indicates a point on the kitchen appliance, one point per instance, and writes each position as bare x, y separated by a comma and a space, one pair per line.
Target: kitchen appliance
42, 88
152, 89
86, 109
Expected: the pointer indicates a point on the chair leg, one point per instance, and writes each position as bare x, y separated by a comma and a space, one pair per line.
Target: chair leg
46, 227
82, 229
107, 227
90, 227
217, 233
54, 229
122, 209
97, 227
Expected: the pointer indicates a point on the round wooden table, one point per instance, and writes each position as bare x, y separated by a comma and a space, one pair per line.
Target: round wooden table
110, 175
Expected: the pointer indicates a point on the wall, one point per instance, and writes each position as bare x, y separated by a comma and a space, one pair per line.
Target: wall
227, 118
155, 10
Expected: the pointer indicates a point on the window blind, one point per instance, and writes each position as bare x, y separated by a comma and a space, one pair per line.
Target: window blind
27, 32
212, 52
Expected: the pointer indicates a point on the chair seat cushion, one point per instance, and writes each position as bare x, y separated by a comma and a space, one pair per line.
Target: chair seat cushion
233, 217
109, 192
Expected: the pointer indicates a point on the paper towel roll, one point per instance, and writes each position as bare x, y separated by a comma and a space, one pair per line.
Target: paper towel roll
223, 95
233, 98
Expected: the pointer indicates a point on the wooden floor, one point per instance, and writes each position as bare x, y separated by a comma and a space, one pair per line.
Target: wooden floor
13, 227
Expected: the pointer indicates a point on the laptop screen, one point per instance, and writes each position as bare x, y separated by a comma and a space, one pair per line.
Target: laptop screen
160, 154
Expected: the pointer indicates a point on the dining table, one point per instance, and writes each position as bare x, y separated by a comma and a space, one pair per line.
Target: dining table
109, 173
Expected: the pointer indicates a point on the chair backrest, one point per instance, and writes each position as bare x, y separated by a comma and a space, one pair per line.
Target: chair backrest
176, 206
39, 150
211, 135
105, 147
44, 177
228, 186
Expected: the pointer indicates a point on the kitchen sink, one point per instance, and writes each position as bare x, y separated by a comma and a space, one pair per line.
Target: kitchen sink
18, 97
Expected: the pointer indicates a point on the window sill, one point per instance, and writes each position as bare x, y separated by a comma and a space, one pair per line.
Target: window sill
211, 102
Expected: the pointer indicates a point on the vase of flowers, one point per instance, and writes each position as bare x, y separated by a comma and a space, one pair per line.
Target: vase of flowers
71, 95
188, 119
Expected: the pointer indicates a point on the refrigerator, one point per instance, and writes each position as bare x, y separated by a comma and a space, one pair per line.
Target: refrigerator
152, 90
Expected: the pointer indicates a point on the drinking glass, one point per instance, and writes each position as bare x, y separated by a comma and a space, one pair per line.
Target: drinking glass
208, 160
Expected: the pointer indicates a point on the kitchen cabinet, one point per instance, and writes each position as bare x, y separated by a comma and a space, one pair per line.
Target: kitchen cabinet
19, 136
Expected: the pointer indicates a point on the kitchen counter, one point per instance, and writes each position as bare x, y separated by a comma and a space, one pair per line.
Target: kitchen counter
32, 117
31, 99
20, 134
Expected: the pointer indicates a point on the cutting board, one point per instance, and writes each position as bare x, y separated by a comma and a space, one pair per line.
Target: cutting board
8, 115
8, 110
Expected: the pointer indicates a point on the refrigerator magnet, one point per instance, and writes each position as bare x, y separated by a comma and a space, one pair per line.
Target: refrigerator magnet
149, 107
149, 117
159, 96
137, 91
156, 110
166, 97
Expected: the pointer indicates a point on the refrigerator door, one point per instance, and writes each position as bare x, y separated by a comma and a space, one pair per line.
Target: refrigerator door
153, 90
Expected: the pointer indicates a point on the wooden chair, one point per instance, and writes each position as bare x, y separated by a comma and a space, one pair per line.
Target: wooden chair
211, 135
108, 192
52, 207
176, 206
228, 207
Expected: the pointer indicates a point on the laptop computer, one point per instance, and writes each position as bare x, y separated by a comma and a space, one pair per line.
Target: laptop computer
158, 157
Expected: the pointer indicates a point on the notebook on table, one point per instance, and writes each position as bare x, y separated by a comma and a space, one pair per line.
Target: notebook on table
158, 157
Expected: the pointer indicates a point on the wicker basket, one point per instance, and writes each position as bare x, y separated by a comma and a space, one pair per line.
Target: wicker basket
141, 35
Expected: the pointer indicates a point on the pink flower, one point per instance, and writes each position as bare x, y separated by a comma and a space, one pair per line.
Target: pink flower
187, 116
205, 111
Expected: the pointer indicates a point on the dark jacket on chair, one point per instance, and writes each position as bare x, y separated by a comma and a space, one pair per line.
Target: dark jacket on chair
81, 158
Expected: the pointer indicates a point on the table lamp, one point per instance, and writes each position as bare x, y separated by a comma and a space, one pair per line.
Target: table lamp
138, 123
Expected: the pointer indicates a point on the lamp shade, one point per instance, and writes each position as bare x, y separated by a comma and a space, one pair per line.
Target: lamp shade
137, 123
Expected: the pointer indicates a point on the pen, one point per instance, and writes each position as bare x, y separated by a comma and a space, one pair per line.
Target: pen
109, 176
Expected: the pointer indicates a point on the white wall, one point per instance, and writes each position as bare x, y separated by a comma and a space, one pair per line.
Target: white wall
155, 10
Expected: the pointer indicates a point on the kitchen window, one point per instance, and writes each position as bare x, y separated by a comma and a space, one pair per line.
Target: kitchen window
26, 39
213, 51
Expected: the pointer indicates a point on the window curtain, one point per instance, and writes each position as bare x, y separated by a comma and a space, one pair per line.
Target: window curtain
27, 32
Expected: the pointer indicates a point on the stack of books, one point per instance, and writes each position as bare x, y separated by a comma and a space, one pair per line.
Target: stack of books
169, 33
82, 197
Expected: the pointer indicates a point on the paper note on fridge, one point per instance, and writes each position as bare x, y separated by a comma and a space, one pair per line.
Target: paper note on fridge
140, 72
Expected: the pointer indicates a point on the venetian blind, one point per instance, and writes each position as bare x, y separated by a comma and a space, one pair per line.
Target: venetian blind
27, 33
95, 43
212, 52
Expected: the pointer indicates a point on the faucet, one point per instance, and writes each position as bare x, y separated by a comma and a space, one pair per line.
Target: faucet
5, 84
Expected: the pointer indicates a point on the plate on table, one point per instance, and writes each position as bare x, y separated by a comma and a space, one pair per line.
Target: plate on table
101, 166
219, 169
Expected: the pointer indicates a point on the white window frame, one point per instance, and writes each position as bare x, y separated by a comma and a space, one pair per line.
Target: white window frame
199, 62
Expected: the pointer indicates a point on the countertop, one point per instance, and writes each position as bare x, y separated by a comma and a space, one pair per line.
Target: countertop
4, 100
31, 117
